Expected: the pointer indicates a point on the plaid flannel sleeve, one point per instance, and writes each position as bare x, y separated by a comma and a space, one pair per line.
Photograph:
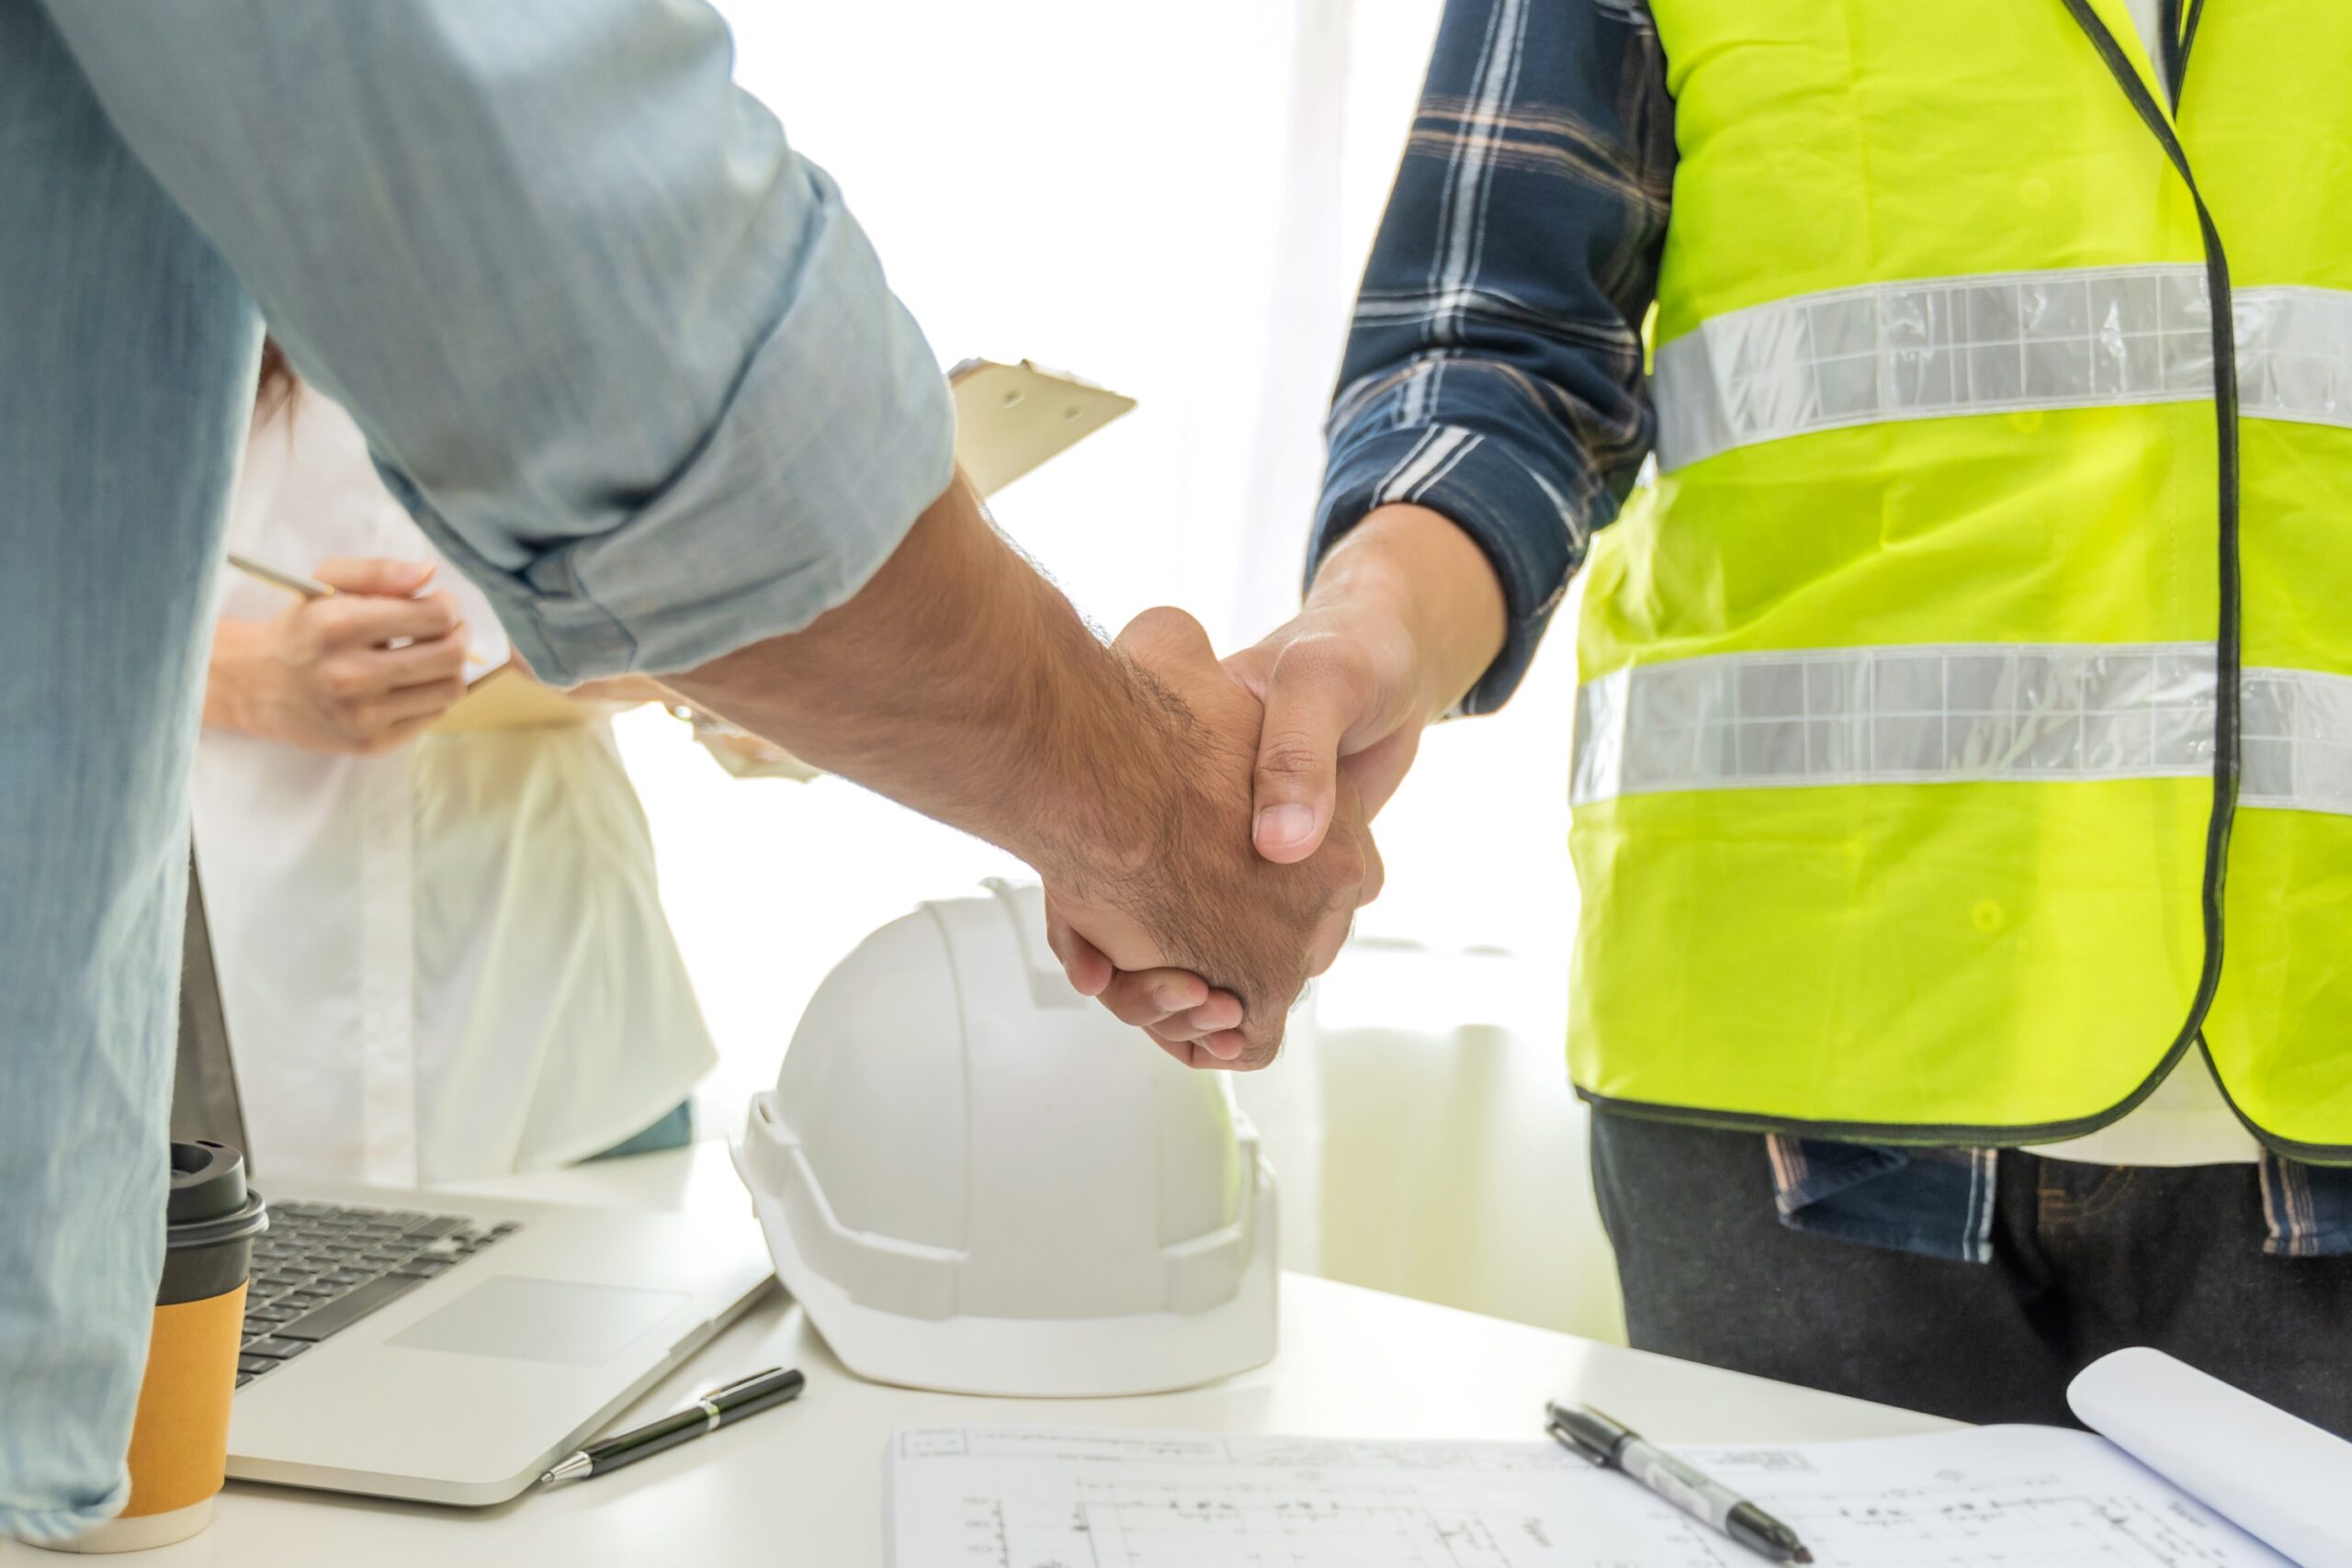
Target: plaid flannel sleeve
1494, 367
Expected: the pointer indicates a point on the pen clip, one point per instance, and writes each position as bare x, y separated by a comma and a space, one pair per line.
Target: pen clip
725, 1389
1576, 1445
1595, 1434
1567, 1440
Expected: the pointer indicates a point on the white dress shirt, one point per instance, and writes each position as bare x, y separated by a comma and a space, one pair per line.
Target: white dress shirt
448, 961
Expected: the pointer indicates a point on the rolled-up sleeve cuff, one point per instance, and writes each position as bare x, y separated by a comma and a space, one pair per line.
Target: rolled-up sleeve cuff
54, 1526
1517, 518
837, 436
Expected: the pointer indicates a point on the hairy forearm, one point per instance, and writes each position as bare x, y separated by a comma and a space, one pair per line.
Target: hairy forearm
1411, 566
962, 683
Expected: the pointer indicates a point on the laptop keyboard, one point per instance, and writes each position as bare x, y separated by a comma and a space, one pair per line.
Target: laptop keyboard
320, 1269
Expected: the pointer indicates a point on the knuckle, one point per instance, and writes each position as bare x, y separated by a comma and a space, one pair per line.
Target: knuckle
328, 620
1132, 1003
1292, 756
1161, 620
1127, 1011
1321, 658
1343, 866
1329, 941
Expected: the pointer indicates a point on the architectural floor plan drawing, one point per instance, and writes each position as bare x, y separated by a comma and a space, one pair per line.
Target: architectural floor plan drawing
1993, 1497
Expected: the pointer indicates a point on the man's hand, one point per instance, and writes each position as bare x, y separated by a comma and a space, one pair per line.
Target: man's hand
960, 683
356, 673
1405, 616
1199, 899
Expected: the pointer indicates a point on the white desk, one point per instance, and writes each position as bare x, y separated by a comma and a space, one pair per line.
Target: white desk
801, 1486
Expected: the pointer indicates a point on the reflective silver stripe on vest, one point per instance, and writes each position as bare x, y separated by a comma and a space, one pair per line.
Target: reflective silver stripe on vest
1965, 711
2093, 337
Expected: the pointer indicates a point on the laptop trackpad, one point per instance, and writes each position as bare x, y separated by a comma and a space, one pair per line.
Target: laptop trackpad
540, 1320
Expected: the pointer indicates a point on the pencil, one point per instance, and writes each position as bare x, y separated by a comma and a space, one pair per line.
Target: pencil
308, 587
279, 576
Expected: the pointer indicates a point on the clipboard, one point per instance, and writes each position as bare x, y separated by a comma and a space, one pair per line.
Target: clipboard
506, 698
1012, 418
1009, 419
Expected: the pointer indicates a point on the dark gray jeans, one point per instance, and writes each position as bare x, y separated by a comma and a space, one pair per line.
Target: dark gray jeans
2085, 1259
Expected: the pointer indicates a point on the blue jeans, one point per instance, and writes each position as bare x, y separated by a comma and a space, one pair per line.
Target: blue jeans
112, 495
2079, 1261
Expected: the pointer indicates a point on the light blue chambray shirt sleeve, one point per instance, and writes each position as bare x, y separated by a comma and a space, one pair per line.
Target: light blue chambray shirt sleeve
622, 351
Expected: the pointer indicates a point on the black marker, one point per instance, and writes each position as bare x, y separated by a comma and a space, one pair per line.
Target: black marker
720, 1408
1588, 1434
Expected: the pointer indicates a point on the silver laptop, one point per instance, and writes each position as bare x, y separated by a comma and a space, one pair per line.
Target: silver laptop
420, 1344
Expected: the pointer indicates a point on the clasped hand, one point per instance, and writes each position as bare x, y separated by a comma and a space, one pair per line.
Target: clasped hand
1251, 892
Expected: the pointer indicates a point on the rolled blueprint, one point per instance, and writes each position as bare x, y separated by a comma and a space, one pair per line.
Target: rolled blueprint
2274, 1475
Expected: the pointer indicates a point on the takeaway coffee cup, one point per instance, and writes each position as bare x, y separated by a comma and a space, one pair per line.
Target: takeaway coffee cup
179, 1441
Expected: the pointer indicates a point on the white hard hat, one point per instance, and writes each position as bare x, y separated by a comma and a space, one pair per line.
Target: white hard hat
976, 1179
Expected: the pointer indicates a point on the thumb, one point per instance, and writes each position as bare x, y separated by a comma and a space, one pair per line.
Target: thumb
1166, 635
1311, 697
376, 576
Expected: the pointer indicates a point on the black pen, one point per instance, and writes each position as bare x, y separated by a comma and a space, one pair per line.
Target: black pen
1585, 1432
720, 1408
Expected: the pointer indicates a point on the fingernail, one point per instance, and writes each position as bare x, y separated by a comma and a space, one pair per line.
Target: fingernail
1280, 827
1170, 997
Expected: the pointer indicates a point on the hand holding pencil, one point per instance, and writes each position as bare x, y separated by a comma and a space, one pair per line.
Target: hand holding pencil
362, 660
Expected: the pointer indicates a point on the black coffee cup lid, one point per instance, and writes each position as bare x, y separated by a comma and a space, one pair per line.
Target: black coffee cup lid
209, 1203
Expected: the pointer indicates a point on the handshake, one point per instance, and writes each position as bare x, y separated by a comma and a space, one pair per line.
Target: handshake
1201, 827
1245, 858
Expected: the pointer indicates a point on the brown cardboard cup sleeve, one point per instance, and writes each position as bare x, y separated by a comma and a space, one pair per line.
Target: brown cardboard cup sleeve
179, 1438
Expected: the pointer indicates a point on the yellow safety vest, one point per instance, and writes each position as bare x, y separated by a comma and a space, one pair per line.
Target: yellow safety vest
1978, 670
